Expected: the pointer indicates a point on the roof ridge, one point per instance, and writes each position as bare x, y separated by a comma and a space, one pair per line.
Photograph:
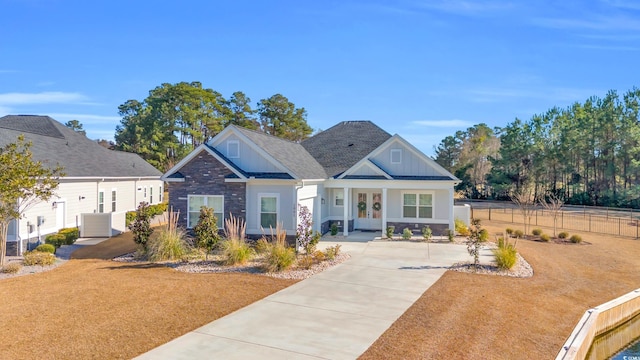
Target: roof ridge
263, 133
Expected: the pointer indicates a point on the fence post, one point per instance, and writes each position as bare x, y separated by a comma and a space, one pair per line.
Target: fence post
562, 219
512, 215
489, 213
589, 222
619, 227
536, 217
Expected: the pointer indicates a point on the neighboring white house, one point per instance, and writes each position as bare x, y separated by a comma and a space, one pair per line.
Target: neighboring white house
353, 173
100, 185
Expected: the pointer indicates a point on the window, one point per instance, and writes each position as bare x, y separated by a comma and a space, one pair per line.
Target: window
159, 194
417, 206
150, 194
339, 198
396, 156
268, 210
101, 201
233, 149
213, 201
145, 192
113, 200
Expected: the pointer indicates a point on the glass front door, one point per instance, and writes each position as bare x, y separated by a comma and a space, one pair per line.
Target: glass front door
369, 210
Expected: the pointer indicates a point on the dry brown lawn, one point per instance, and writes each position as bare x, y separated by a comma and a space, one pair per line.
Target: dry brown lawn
90, 308
469, 316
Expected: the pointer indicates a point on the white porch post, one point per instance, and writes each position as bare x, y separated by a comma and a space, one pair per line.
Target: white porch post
345, 223
384, 210
451, 219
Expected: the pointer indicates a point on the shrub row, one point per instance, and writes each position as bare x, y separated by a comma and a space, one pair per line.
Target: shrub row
157, 209
65, 236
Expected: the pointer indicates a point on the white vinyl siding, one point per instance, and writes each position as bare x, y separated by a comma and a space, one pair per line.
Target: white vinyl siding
213, 201
268, 210
417, 205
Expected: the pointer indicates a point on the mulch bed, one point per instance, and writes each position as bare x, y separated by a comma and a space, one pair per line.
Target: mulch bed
476, 316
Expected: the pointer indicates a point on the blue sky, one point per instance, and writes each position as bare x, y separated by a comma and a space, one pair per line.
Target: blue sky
422, 69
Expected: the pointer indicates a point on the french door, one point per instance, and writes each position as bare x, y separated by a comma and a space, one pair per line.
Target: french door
369, 210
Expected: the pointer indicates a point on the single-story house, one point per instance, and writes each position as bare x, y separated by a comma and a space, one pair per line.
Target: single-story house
353, 174
99, 186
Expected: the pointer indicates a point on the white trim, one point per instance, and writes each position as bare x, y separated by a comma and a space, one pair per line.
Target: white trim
190, 157
110, 178
206, 203
419, 220
259, 206
237, 144
98, 202
390, 184
116, 200
395, 151
368, 163
418, 193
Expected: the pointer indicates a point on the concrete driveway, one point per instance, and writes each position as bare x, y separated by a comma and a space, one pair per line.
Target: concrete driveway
336, 314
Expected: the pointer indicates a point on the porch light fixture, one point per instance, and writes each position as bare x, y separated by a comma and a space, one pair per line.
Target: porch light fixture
80, 198
322, 201
54, 205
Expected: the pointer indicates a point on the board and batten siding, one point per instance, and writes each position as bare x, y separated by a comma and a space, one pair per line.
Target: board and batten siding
410, 164
249, 160
286, 206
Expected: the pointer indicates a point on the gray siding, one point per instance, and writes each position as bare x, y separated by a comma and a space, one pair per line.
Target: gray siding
249, 160
411, 165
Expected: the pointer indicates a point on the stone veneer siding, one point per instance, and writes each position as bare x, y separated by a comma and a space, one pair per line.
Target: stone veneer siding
205, 175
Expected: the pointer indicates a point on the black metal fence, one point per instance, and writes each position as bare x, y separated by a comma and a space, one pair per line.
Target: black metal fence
612, 221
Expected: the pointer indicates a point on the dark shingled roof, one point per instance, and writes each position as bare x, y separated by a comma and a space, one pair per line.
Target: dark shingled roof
54, 143
288, 153
343, 145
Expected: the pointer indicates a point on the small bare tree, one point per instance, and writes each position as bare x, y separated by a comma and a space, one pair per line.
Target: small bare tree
554, 204
525, 200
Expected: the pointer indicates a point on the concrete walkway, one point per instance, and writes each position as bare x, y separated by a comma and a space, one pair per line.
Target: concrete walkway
336, 314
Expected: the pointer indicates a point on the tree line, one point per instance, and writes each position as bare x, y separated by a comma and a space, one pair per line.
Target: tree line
585, 154
176, 118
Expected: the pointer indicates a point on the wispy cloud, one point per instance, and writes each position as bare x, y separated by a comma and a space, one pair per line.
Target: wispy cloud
45, 83
86, 118
453, 123
608, 47
601, 23
49, 97
462, 7
624, 4
494, 95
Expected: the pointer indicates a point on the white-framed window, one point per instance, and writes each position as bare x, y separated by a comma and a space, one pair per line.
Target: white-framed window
339, 198
113, 200
159, 194
417, 205
100, 201
233, 149
268, 214
145, 192
150, 194
195, 202
396, 156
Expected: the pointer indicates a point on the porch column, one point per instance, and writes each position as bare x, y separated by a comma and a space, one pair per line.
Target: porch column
451, 216
345, 223
384, 210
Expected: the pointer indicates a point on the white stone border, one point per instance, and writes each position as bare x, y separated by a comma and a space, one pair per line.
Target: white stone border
597, 321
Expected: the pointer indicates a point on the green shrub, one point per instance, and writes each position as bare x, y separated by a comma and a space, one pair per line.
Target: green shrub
519, 234
450, 235
46, 248
332, 251
141, 225
168, 245
563, 235
157, 209
389, 232
236, 251
427, 233
536, 232
130, 216
334, 229
461, 228
56, 240
11, 268
38, 258
576, 239
509, 231
505, 257
545, 237
206, 230
71, 235
484, 235
407, 234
